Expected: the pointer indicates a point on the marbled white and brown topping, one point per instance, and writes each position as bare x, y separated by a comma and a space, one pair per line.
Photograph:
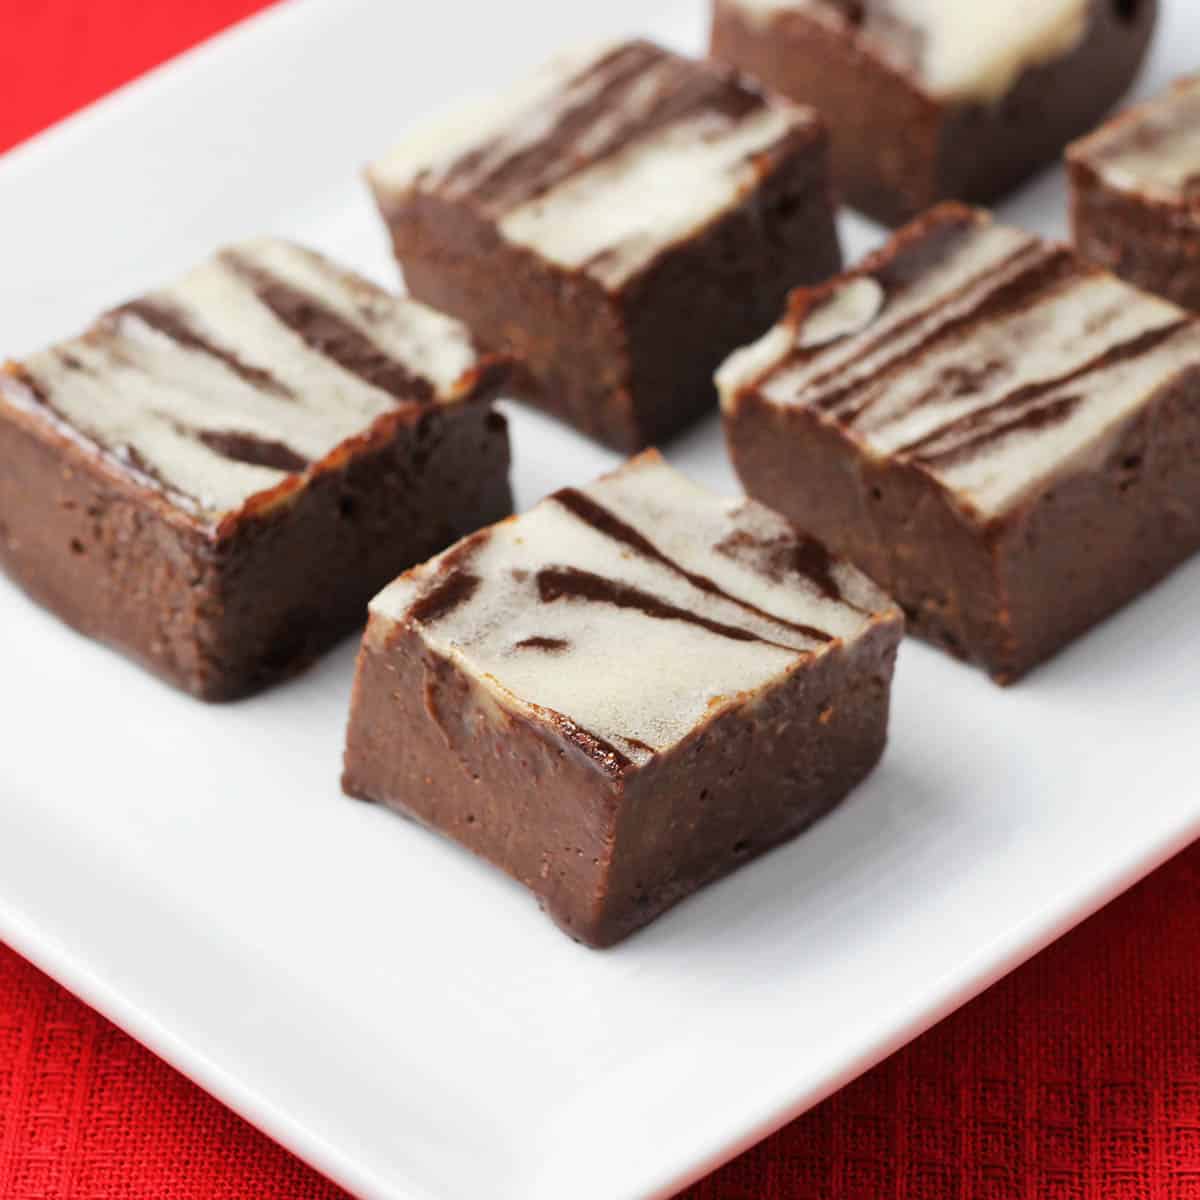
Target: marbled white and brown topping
250, 368
1152, 149
969, 51
603, 159
626, 611
982, 354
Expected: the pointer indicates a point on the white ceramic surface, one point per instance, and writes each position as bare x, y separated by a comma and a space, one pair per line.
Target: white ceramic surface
395, 1012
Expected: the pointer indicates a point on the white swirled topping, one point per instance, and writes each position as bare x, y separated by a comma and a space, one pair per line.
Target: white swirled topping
255, 364
604, 158
962, 50
991, 359
632, 608
1154, 148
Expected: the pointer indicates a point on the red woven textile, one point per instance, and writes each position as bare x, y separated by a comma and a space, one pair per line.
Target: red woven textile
1078, 1078
58, 55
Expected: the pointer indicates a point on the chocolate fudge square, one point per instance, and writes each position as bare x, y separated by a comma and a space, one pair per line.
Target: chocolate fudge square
215, 478
623, 694
1002, 435
1135, 195
932, 100
620, 221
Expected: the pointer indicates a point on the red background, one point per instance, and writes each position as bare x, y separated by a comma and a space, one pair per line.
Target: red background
1077, 1077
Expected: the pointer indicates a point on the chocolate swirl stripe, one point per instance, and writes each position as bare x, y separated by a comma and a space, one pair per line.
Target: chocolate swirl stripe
896, 277
456, 584
32, 388
1033, 419
551, 645
455, 590
839, 338
251, 449
608, 523
1022, 259
975, 429
630, 93
172, 322
1033, 281
810, 559
557, 583
327, 332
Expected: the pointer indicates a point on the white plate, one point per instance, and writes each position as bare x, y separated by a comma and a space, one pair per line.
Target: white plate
393, 1011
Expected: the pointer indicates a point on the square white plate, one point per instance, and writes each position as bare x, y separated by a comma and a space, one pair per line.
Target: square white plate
394, 1011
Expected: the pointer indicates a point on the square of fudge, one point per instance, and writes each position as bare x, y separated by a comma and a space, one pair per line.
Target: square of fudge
623, 694
619, 221
1135, 194
931, 100
215, 478
1003, 436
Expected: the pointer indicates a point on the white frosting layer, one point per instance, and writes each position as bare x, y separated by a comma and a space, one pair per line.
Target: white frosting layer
1000, 377
1154, 148
972, 50
1019, 464
507, 123
1053, 338
890, 330
617, 217
638, 682
610, 181
142, 392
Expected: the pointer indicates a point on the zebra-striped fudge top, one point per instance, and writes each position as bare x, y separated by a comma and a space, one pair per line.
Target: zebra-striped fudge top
627, 611
604, 158
1154, 148
254, 365
986, 356
961, 50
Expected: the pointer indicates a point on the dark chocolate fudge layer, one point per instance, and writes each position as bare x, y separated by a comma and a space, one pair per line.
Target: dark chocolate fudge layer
929, 100
620, 220
1003, 436
623, 694
216, 477
1135, 195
